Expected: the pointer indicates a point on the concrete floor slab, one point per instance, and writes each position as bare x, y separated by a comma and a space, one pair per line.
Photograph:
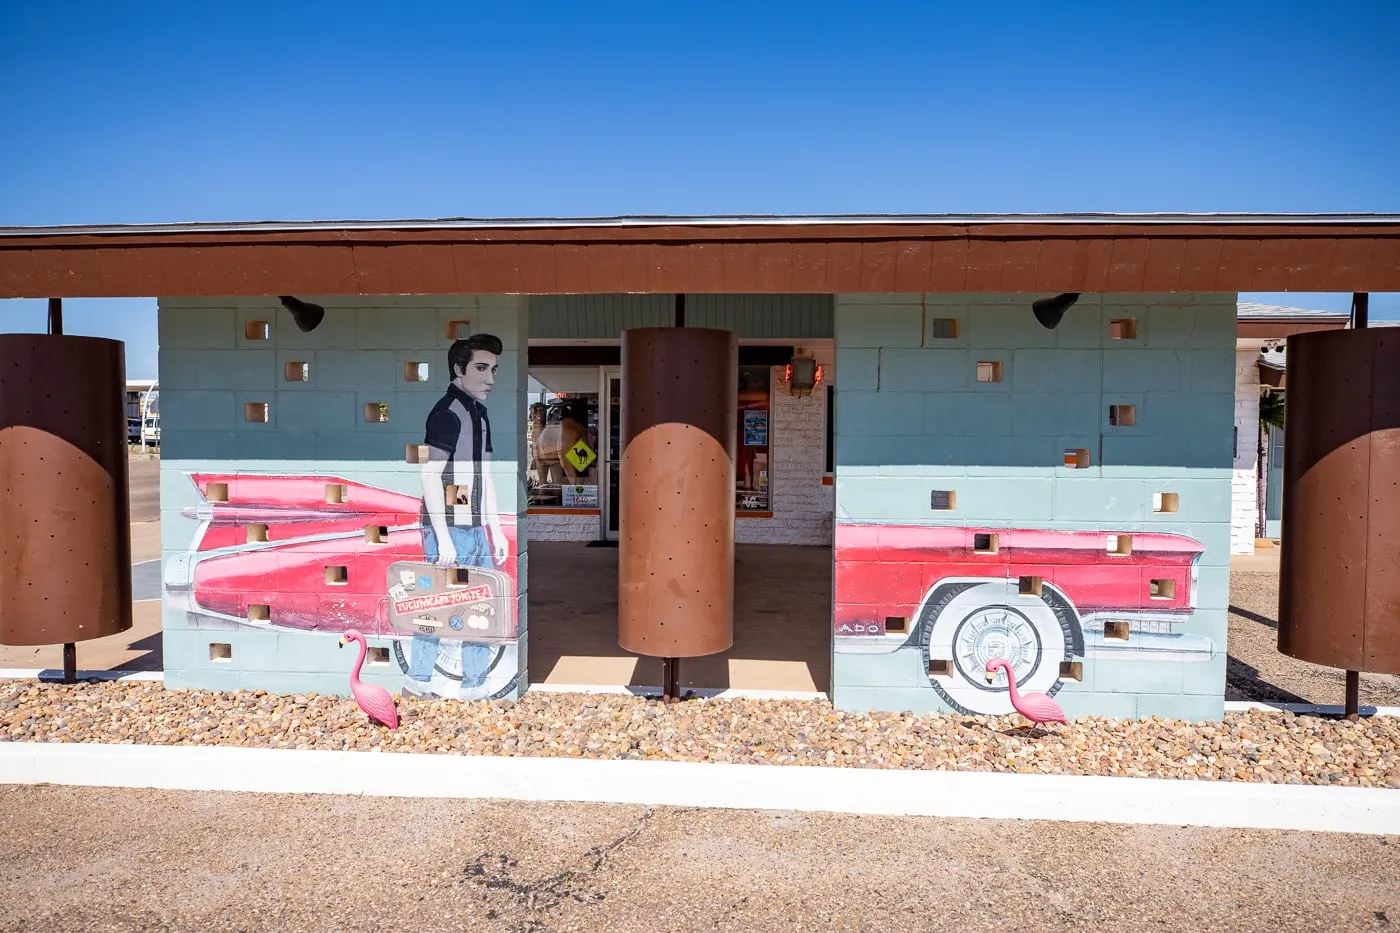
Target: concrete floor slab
782, 621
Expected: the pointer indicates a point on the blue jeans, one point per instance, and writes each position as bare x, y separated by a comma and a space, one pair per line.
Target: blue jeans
473, 550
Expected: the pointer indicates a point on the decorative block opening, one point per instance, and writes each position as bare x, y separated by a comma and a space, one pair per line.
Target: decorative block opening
416, 453
377, 655
1030, 586
220, 651
1122, 416
944, 328
337, 494
255, 412
1120, 545
454, 494
376, 534
896, 625
257, 534
943, 500
257, 330
259, 614
984, 543
297, 372
216, 492
989, 371
415, 372
459, 576
1161, 589
1123, 328
1072, 670
376, 412
1115, 631
337, 576
1166, 501
940, 667
459, 330
1077, 458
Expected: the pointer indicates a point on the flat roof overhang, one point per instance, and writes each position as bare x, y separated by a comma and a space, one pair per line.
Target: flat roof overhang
1279, 329
839, 254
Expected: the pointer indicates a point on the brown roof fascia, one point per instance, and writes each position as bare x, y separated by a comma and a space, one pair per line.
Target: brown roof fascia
738, 257
1267, 330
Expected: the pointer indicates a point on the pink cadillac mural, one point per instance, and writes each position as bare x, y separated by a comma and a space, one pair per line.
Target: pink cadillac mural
435, 573
1044, 600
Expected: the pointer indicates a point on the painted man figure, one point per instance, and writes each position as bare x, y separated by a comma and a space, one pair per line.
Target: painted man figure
455, 527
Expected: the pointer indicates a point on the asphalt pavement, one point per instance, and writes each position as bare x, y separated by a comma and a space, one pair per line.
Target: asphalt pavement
79, 859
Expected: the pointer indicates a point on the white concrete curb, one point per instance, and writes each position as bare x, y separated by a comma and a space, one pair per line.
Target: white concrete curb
969, 794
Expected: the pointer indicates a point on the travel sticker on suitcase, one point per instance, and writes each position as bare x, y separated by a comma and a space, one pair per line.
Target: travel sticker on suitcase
464, 603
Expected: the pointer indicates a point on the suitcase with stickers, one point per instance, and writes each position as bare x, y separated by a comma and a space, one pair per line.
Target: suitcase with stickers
464, 603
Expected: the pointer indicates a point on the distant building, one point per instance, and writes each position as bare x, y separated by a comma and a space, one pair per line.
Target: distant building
136, 390
1261, 368
142, 407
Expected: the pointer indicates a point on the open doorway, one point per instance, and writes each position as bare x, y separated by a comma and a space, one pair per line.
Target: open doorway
783, 557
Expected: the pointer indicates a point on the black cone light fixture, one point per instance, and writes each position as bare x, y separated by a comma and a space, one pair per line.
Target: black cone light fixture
1049, 311
306, 315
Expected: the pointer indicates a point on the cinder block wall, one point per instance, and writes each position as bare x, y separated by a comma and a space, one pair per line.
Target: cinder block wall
213, 364
912, 418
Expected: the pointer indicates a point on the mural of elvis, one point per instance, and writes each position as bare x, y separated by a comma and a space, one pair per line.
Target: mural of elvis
465, 532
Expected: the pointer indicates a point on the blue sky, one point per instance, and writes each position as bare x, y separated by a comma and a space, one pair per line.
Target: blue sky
138, 112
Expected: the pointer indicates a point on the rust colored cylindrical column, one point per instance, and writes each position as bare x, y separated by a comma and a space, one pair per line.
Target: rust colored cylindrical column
1339, 593
65, 531
676, 523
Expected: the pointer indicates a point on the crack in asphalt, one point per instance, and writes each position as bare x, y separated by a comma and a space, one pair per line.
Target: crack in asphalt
493, 872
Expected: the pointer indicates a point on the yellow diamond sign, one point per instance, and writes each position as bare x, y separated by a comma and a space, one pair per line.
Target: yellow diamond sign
581, 455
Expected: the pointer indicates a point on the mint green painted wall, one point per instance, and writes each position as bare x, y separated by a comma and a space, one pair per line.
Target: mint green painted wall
787, 317
210, 370
912, 417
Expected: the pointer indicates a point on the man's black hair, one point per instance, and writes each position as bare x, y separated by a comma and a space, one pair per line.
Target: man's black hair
460, 354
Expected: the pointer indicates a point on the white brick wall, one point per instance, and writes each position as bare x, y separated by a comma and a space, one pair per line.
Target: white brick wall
562, 528
1244, 490
802, 505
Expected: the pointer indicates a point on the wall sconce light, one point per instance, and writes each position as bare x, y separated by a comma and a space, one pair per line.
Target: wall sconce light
802, 375
307, 316
1048, 311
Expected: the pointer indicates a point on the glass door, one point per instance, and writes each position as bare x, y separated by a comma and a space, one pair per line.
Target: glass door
612, 450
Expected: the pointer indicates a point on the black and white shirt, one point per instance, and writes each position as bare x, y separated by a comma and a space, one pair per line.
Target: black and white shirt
464, 450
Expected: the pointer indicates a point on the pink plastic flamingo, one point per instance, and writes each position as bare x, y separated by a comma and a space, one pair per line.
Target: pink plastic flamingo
374, 700
1037, 707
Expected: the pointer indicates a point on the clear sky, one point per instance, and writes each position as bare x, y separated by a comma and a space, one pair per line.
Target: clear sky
145, 111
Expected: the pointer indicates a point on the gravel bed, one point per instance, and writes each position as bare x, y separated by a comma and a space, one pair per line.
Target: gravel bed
1259, 746
1257, 671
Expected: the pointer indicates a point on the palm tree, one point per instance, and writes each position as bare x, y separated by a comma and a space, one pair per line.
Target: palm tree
1270, 416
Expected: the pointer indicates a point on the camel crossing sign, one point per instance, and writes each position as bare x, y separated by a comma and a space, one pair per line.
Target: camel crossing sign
581, 455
